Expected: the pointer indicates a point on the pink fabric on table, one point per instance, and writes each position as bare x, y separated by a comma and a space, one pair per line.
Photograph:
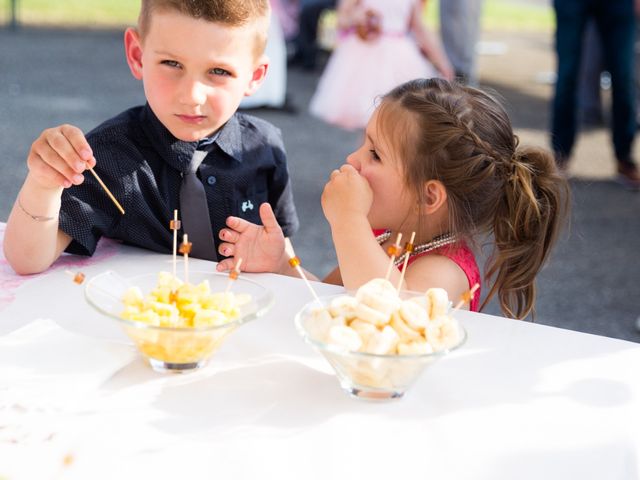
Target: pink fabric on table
10, 281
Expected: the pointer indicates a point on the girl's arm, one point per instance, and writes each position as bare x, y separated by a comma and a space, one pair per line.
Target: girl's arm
333, 277
439, 271
346, 201
429, 43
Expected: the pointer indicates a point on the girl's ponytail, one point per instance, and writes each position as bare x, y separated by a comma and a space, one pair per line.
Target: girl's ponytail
527, 222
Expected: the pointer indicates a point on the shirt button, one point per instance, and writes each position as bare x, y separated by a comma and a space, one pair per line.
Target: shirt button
211, 180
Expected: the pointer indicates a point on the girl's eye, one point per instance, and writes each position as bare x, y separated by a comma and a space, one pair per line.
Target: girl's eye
374, 154
220, 71
170, 63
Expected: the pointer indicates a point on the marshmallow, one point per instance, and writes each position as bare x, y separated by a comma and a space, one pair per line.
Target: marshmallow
343, 306
404, 331
345, 337
383, 342
364, 329
439, 302
379, 294
319, 324
443, 333
371, 315
414, 315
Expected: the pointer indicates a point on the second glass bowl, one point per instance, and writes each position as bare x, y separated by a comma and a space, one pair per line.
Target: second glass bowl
367, 375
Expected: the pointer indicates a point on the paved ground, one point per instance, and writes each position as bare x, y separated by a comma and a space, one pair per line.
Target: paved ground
592, 283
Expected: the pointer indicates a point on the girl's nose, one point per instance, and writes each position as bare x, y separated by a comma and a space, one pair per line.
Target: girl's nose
352, 160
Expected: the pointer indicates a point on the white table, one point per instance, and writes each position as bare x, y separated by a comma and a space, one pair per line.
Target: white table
518, 401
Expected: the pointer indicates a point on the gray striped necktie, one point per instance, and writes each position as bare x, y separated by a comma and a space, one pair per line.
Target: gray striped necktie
194, 212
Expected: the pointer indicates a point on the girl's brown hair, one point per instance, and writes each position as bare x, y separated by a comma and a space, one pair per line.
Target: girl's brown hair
232, 13
462, 137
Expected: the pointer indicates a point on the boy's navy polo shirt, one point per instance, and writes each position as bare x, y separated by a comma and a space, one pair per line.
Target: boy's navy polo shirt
141, 163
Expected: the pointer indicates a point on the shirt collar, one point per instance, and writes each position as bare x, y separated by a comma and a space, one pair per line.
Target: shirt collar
178, 153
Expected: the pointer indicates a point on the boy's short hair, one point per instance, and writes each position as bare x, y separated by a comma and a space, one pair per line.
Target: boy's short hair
231, 13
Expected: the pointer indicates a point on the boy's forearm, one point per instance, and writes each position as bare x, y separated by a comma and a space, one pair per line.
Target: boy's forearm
32, 241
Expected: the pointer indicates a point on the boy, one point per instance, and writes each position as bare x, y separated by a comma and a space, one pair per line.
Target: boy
197, 60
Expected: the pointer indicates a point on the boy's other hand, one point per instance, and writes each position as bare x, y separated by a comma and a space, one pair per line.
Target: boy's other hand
59, 156
261, 247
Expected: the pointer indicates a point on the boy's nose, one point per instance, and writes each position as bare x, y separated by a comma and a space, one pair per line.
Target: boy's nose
194, 93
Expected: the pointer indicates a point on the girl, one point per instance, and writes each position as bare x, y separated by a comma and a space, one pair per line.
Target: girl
441, 160
381, 44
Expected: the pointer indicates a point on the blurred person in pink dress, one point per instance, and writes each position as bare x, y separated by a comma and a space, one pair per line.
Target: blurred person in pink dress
381, 44
287, 11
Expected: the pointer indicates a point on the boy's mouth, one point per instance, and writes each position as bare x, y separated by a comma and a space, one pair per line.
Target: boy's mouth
192, 119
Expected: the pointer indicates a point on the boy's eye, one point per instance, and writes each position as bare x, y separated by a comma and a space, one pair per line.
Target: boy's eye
220, 71
170, 63
374, 154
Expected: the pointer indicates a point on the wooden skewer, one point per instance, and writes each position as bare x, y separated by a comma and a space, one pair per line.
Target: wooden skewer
294, 262
233, 275
185, 249
466, 297
408, 248
113, 199
393, 251
175, 226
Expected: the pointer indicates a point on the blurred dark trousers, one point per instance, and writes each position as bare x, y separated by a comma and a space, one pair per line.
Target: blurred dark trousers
306, 41
615, 20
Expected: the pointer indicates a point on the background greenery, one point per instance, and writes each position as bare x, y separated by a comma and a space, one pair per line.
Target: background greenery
497, 14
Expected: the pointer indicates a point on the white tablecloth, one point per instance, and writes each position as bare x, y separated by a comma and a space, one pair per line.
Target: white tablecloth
518, 401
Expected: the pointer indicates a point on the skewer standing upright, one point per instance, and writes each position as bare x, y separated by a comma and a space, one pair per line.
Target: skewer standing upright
175, 225
185, 249
408, 248
393, 251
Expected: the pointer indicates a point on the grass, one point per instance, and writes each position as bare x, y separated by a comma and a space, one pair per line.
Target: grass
74, 13
510, 15
497, 14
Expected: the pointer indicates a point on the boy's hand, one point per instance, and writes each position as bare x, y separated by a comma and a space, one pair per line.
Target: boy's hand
261, 247
346, 196
59, 156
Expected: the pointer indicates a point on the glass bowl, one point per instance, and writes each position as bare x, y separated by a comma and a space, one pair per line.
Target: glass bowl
367, 375
175, 349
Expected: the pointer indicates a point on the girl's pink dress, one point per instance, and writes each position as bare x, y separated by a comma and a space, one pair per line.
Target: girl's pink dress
465, 259
358, 72
462, 255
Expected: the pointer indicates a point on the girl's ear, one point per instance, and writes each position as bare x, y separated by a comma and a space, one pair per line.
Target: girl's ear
435, 196
259, 73
133, 52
